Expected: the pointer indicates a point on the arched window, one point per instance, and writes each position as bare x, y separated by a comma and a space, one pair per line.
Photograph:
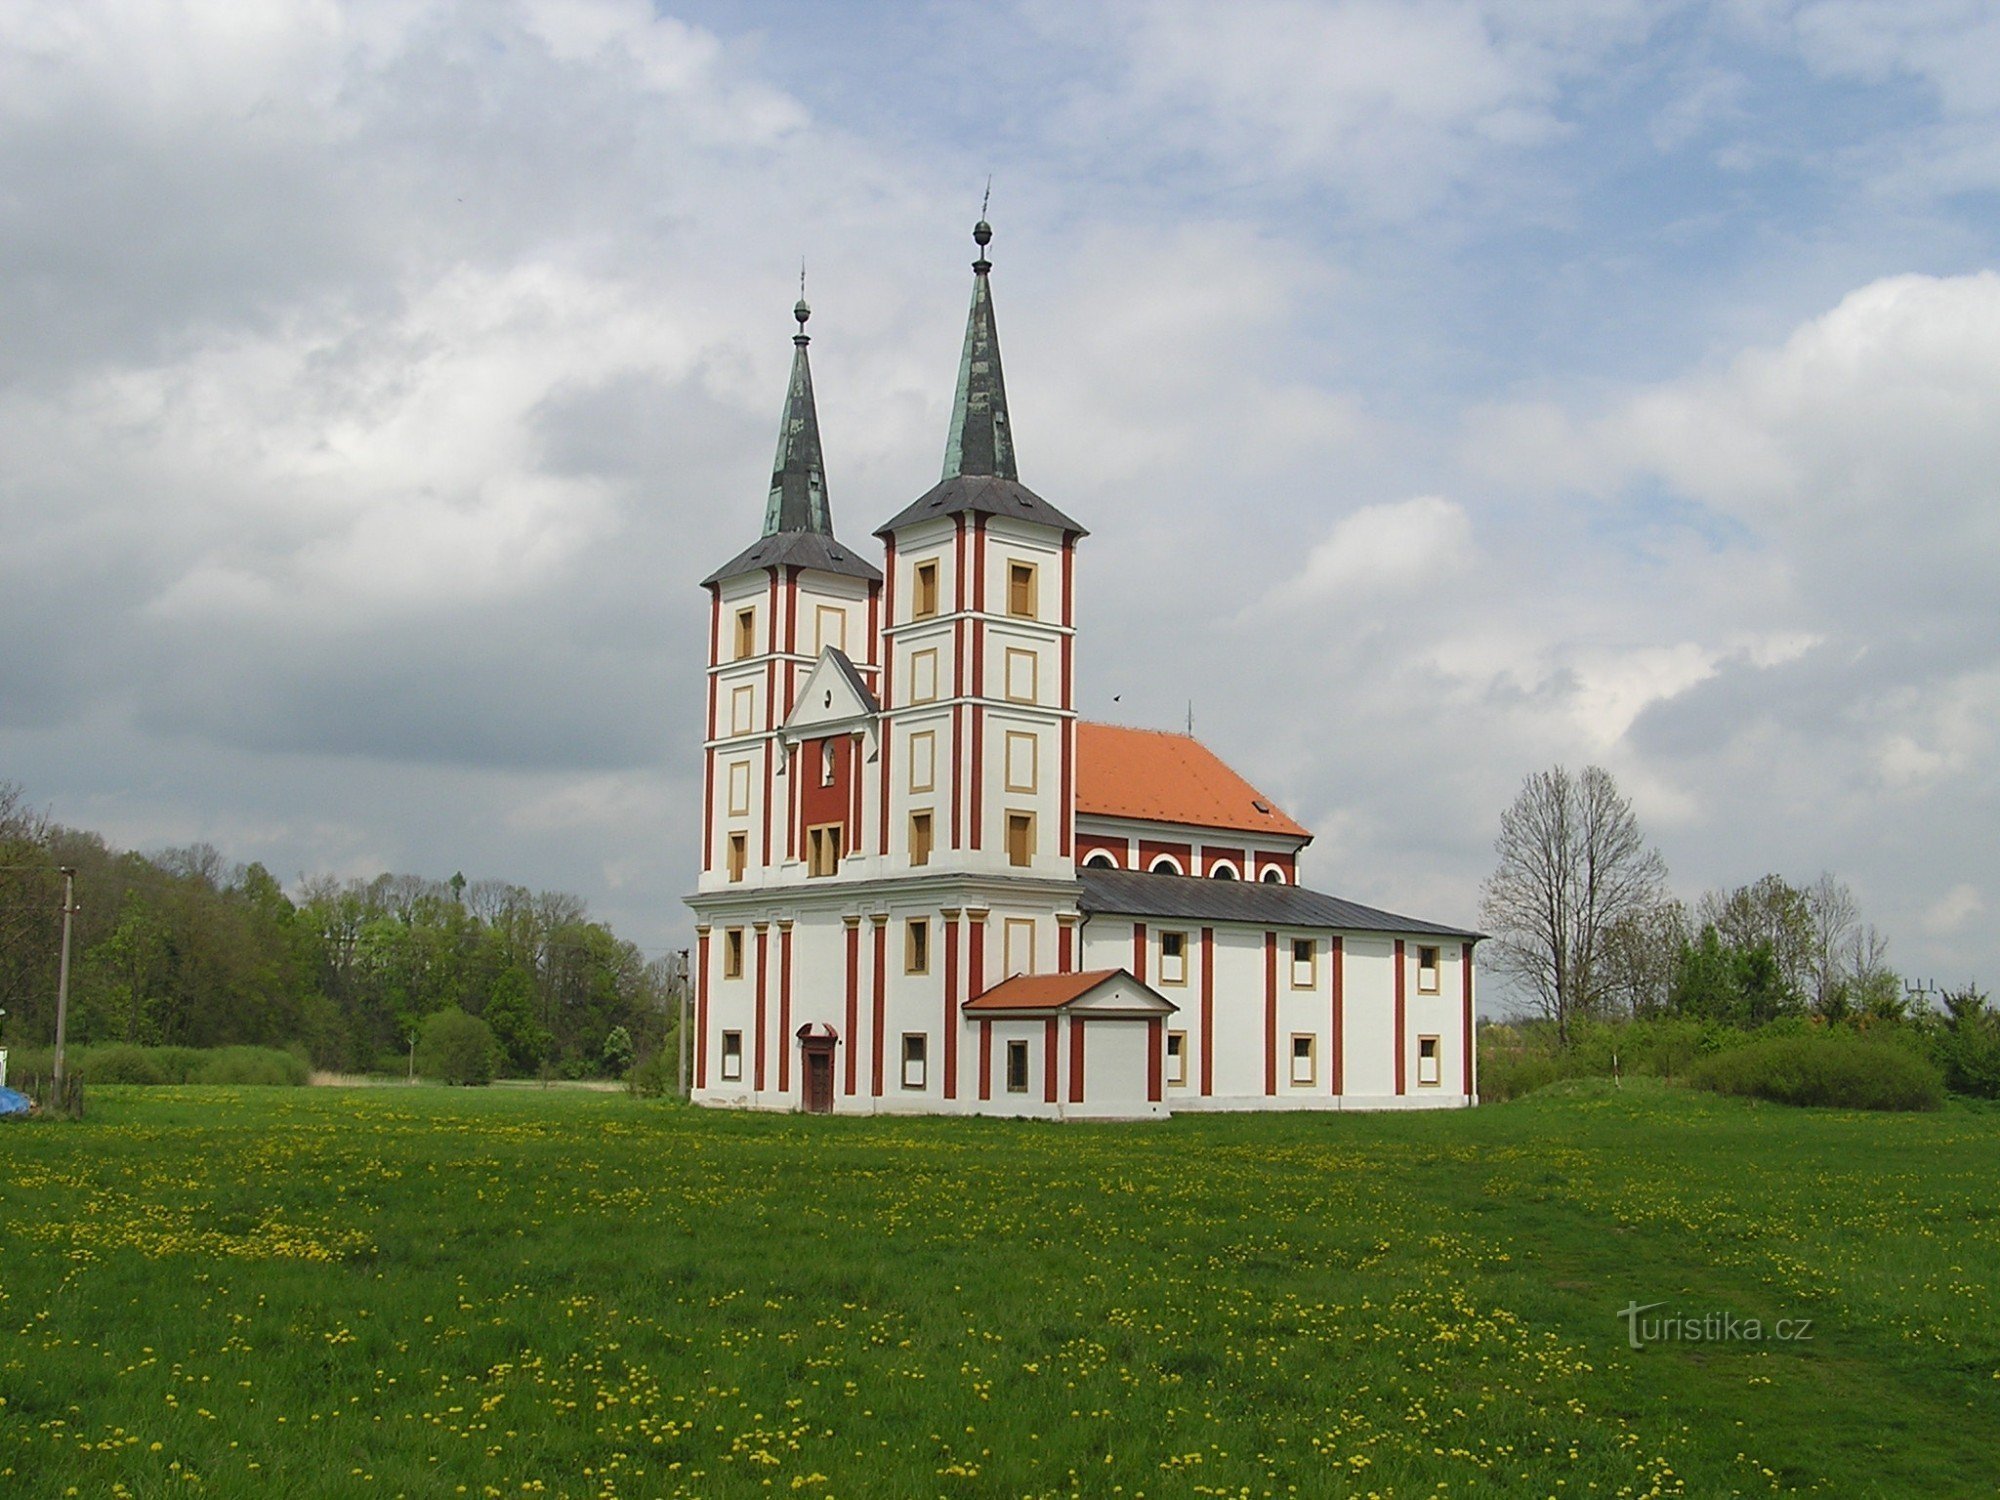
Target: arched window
1166, 864
1221, 872
1099, 860
1273, 875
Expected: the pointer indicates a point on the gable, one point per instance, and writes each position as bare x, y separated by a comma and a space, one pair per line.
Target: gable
833, 696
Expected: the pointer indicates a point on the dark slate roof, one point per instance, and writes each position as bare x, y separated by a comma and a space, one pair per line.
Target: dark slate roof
983, 493
861, 690
798, 472
797, 549
1131, 893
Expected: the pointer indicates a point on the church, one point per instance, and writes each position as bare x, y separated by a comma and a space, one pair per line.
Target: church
928, 887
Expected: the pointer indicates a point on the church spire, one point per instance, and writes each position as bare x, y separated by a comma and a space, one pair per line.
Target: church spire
981, 440
798, 474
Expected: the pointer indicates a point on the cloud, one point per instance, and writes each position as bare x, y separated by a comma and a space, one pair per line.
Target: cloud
1382, 550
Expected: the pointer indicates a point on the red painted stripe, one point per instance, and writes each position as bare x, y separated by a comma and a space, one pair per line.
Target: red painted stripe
950, 770
1337, 961
1065, 939
979, 563
1155, 1058
1139, 951
1207, 1011
1066, 739
1401, 1020
757, 1050
701, 1011
985, 1059
881, 1004
1076, 1059
766, 758
784, 1010
874, 626
951, 1008
708, 811
1271, 1014
1467, 1044
853, 1037
977, 812
975, 958
791, 620
1050, 1042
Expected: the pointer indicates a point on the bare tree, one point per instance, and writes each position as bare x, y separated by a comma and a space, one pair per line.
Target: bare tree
1572, 866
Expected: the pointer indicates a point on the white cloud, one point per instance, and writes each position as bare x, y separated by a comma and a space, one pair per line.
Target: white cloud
1406, 546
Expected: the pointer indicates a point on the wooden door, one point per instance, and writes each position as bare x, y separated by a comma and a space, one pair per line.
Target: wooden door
819, 1080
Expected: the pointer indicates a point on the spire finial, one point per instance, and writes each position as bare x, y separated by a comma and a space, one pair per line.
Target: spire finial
982, 232
802, 311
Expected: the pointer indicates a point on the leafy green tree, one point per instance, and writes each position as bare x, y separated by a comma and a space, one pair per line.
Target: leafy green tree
454, 1047
617, 1051
510, 1011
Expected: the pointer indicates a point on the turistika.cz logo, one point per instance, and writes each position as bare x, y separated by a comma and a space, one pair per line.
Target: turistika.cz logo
1707, 1328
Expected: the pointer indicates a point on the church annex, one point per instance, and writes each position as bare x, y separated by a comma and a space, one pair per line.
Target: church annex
927, 886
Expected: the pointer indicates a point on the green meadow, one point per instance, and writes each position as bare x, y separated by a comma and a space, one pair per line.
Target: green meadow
504, 1292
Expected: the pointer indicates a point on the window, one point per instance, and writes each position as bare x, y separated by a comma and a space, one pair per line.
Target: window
739, 788
1427, 971
920, 838
923, 676
923, 761
1099, 860
732, 953
1221, 872
1022, 758
913, 1059
917, 946
1166, 864
823, 849
1020, 838
1017, 1067
1173, 958
739, 854
826, 762
925, 604
1305, 963
1273, 875
732, 1056
1177, 1059
1021, 676
742, 709
746, 633
829, 629
1303, 1046
1017, 946
1021, 589
1427, 1061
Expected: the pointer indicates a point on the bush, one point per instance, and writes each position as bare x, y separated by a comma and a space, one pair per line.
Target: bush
253, 1065
1832, 1068
119, 1064
652, 1078
454, 1047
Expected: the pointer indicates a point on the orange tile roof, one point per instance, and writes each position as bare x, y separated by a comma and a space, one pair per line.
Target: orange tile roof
1168, 778
1040, 991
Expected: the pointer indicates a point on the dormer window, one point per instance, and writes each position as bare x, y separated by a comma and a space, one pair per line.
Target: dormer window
925, 604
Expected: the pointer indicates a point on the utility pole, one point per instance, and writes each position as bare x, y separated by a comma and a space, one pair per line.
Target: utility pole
62, 975
685, 1041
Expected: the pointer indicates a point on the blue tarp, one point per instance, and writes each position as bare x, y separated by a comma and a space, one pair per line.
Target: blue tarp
14, 1102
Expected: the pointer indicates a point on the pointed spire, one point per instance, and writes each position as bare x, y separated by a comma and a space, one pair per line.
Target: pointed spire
798, 474
981, 440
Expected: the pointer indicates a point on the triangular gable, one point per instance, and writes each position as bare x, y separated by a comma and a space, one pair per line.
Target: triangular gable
832, 697
1101, 992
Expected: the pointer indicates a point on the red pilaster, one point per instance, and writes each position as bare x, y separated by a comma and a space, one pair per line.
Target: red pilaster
853, 1037
1207, 1011
1065, 947
1051, 1041
975, 956
763, 968
881, 925
985, 1059
1076, 1059
1139, 951
951, 1005
1467, 1043
1155, 1058
1270, 1014
784, 1007
1337, 961
708, 806
701, 1010
1402, 1021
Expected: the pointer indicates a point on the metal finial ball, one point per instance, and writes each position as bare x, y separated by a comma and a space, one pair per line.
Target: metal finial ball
982, 234
802, 312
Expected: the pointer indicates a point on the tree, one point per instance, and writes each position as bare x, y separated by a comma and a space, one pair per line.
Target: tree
454, 1047
1572, 866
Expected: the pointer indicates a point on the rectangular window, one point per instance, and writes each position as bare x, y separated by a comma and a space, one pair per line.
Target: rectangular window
823, 849
1023, 760
1427, 971
732, 1056
917, 946
924, 604
1017, 946
1305, 963
1177, 1059
1017, 1067
1020, 838
829, 629
739, 788
1021, 589
826, 762
920, 838
1303, 1047
923, 677
1173, 958
923, 761
1021, 676
746, 633
732, 953
739, 854
1427, 1061
913, 1059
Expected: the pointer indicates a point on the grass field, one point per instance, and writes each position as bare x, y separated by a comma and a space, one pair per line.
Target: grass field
497, 1293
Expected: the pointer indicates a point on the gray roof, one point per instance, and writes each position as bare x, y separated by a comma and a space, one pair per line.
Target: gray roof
1131, 893
984, 493
797, 549
861, 691
798, 472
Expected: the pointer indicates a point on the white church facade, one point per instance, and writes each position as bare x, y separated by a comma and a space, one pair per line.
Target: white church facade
928, 887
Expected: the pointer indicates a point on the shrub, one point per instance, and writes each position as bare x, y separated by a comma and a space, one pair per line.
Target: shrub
1833, 1068
454, 1047
253, 1065
653, 1078
117, 1064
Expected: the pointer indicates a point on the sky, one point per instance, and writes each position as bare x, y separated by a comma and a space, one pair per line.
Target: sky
1452, 389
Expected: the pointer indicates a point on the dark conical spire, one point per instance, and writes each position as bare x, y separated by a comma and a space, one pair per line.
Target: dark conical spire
798, 474
981, 441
